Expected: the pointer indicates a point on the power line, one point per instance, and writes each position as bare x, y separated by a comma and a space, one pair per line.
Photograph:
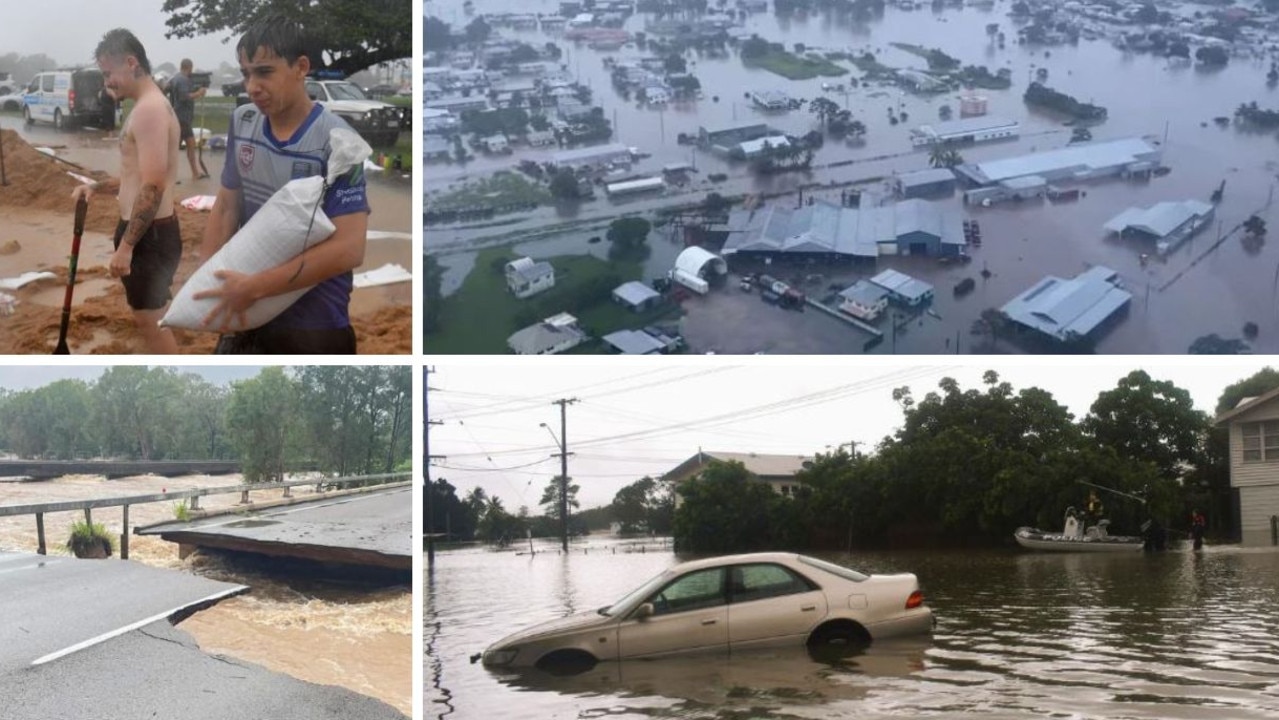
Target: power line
531, 401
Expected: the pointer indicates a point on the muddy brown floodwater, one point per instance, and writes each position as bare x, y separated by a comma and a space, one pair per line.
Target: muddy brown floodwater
1019, 635
353, 636
36, 219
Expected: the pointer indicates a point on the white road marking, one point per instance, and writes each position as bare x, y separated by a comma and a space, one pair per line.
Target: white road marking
134, 626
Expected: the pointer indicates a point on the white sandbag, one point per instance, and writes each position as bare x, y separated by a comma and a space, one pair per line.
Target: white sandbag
275, 234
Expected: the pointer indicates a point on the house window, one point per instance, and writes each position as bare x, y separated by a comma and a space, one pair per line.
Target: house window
1261, 441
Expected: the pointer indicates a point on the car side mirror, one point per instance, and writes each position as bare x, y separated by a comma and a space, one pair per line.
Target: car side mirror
644, 612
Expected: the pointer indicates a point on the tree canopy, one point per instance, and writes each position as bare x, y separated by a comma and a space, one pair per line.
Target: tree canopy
351, 34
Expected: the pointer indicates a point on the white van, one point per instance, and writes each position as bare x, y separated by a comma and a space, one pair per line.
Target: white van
68, 99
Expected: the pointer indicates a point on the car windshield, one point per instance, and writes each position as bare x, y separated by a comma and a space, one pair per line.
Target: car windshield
346, 91
833, 569
637, 594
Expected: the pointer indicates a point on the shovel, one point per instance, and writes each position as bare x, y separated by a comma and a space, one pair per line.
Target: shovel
81, 209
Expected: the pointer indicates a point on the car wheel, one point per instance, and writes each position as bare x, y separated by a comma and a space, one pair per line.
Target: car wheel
58, 124
26, 117
839, 633
563, 663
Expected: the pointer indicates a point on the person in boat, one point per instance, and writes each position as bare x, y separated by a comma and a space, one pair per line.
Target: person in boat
1197, 526
1096, 511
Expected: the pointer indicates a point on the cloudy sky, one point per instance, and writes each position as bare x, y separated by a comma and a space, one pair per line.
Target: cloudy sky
23, 377
637, 419
69, 30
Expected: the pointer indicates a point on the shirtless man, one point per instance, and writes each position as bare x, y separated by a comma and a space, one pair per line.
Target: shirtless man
147, 240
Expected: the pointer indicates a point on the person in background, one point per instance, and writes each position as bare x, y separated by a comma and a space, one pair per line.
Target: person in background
148, 242
1197, 526
182, 94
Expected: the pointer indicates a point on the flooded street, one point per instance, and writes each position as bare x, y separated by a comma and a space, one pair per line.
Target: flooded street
1173, 635
1191, 293
352, 635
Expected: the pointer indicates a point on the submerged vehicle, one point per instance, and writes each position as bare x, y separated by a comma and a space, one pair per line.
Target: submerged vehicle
727, 603
1074, 537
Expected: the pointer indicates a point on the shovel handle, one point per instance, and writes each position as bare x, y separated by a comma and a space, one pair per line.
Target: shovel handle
81, 210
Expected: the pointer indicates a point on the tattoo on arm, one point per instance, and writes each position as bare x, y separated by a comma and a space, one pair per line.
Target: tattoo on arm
145, 208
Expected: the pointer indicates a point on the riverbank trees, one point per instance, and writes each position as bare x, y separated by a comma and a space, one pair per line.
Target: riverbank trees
967, 467
348, 420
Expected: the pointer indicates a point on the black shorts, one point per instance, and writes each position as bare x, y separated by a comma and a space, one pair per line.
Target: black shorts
155, 260
268, 340
184, 130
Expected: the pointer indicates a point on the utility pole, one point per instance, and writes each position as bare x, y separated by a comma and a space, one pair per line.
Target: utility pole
563, 454
426, 468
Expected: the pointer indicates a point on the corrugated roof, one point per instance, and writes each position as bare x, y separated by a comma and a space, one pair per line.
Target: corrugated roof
586, 153
926, 177
635, 292
1084, 157
1159, 219
693, 260
634, 342
763, 465
864, 292
965, 126
1061, 308
826, 228
902, 284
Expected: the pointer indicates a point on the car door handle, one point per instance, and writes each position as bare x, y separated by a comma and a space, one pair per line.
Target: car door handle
807, 608
712, 621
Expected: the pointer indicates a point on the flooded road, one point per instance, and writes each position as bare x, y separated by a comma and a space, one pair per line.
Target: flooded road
1176, 635
352, 635
1191, 293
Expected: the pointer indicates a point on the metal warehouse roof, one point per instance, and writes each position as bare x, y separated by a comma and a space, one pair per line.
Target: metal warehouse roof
1062, 308
827, 228
926, 177
1083, 157
635, 293
864, 292
1159, 219
902, 284
634, 342
964, 126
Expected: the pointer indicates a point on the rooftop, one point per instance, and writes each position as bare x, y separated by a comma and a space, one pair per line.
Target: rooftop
827, 228
634, 342
1067, 308
964, 126
1082, 157
588, 153
1159, 219
900, 283
635, 293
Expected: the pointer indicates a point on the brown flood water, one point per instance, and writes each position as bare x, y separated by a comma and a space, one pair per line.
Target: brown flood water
349, 636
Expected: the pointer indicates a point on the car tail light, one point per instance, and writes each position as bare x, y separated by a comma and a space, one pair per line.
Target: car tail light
915, 600
71, 98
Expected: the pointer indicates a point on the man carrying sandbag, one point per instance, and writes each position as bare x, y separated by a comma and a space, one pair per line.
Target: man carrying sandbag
147, 240
284, 135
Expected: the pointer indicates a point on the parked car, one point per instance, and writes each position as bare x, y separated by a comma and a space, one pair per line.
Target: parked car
68, 99
727, 603
376, 121
8, 86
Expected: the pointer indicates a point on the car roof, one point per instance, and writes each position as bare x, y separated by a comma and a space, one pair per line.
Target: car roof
778, 557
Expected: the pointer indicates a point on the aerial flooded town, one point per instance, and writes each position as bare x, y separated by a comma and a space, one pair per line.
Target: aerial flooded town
835, 176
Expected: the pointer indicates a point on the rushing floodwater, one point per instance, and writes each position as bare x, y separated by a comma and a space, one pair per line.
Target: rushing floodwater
1177, 635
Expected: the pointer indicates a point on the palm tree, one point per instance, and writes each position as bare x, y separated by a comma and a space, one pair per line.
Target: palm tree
943, 155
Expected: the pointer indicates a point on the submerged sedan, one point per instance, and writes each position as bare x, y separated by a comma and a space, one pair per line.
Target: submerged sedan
727, 603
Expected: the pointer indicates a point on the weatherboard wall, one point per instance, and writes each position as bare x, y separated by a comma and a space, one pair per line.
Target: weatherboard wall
1257, 481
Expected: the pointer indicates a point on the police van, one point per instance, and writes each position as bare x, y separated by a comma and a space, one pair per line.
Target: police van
68, 99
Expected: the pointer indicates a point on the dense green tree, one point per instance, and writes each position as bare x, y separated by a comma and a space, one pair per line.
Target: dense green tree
478, 30
824, 108
645, 505
552, 494
436, 34
262, 419
564, 185
726, 509
351, 35
628, 236
1151, 420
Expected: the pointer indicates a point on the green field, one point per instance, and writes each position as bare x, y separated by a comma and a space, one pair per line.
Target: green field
501, 189
479, 317
794, 67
